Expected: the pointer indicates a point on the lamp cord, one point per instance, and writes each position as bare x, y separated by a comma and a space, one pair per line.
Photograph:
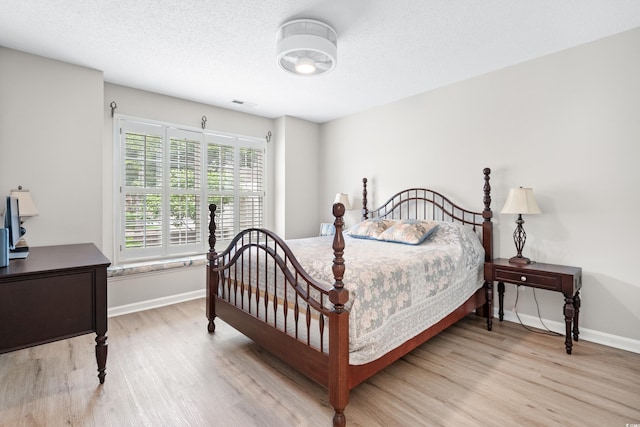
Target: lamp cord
547, 330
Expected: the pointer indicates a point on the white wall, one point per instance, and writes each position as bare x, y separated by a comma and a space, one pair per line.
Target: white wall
50, 143
279, 181
297, 178
567, 124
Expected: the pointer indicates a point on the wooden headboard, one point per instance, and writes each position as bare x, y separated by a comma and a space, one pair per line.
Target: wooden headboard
423, 203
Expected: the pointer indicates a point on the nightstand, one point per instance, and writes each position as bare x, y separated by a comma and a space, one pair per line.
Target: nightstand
559, 278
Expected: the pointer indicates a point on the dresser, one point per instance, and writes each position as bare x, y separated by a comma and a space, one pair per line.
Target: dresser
57, 292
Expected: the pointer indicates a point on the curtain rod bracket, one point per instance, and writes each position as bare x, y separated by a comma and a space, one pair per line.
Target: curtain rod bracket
268, 137
113, 106
204, 122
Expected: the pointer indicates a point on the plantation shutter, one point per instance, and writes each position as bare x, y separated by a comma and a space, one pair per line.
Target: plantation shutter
221, 184
185, 176
235, 179
169, 176
251, 187
143, 156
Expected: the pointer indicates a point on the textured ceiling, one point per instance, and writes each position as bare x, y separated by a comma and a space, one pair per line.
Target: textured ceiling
218, 51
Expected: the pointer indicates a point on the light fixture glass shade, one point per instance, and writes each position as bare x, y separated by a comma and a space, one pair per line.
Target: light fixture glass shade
344, 199
521, 201
306, 66
25, 202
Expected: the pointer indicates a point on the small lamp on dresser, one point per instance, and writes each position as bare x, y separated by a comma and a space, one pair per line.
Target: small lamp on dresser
26, 208
520, 201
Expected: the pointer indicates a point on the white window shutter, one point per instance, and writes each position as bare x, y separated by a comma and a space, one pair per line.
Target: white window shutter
169, 176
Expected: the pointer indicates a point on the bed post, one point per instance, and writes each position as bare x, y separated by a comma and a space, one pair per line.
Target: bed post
365, 211
212, 272
487, 243
338, 327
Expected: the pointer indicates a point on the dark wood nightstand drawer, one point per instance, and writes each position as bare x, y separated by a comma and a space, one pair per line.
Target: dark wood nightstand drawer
550, 282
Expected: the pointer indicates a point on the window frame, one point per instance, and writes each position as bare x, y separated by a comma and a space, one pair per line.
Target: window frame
125, 123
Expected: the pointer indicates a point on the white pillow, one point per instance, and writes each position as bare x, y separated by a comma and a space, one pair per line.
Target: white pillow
410, 231
370, 228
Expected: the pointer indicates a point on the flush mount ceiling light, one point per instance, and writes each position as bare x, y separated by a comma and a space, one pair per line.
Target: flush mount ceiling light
307, 47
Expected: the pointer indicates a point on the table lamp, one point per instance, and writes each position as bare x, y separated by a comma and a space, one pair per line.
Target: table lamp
26, 207
344, 199
520, 201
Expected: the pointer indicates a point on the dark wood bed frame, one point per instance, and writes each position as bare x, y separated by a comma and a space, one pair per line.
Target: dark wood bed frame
329, 367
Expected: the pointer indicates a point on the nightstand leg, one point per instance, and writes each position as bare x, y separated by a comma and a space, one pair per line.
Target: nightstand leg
569, 313
576, 305
501, 301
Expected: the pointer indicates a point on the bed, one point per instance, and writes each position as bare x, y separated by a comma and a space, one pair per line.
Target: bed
340, 315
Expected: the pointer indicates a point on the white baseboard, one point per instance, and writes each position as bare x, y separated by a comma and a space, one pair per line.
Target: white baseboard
155, 303
591, 335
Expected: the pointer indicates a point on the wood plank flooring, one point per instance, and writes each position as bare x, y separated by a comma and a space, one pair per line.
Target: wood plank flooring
164, 369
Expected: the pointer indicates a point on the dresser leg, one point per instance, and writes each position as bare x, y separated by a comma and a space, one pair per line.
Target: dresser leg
569, 313
576, 306
501, 301
101, 356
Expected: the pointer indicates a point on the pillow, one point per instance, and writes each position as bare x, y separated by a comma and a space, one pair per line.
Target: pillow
370, 228
410, 231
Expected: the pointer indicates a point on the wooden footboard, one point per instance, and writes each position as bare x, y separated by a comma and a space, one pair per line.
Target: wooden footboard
257, 286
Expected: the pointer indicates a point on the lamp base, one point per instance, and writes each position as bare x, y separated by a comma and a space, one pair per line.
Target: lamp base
520, 260
22, 245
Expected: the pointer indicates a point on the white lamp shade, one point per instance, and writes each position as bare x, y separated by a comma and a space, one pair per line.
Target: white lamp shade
25, 202
521, 201
344, 199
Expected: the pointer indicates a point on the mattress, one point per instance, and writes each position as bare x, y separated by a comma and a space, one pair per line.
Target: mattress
396, 290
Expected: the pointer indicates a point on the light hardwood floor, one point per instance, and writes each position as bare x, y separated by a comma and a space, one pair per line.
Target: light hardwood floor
164, 369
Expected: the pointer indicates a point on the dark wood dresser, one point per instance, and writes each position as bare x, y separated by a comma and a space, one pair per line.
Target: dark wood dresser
57, 292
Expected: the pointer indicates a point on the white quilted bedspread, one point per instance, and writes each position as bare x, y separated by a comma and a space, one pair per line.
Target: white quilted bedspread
395, 290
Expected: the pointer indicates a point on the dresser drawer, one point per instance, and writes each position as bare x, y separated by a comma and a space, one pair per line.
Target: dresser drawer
551, 282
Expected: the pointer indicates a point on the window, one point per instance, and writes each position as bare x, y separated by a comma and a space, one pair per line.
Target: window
165, 173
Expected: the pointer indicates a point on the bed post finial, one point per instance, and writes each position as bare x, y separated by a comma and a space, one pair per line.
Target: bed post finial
338, 251
486, 213
365, 211
213, 275
487, 243
212, 228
